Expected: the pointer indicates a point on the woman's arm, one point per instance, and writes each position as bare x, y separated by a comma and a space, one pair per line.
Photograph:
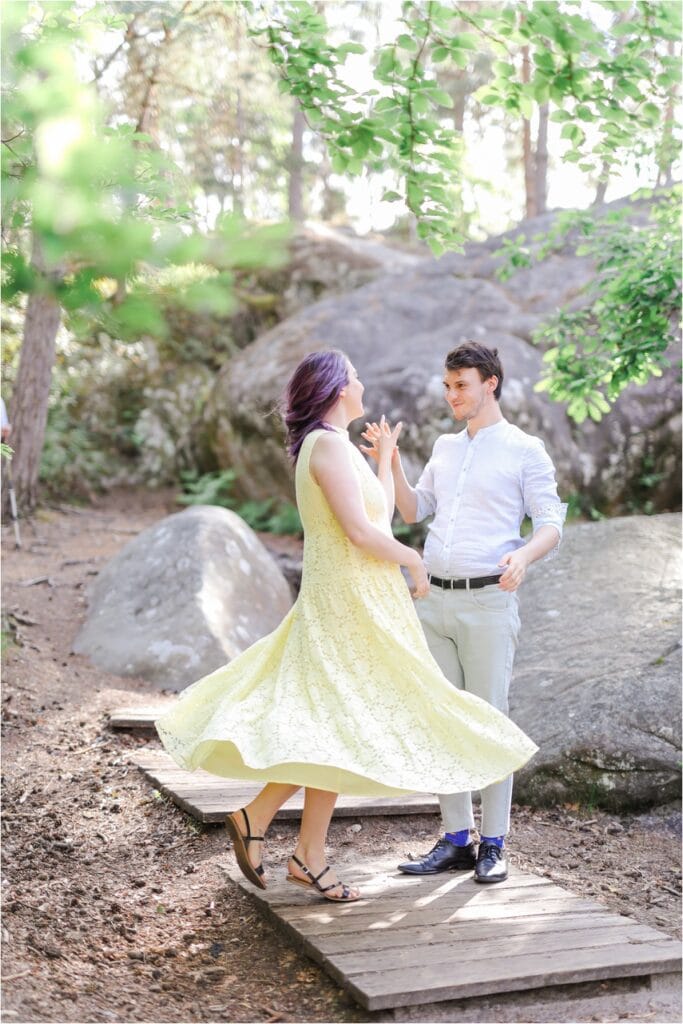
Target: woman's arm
333, 471
402, 494
386, 447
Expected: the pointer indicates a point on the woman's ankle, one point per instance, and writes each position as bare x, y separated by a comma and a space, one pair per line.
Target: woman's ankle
310, 855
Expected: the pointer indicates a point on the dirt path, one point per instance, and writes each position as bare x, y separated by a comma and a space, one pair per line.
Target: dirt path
116, 905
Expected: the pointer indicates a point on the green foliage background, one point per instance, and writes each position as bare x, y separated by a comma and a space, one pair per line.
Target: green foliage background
105, 188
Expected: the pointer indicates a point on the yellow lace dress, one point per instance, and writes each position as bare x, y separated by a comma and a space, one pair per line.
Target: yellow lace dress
344, 695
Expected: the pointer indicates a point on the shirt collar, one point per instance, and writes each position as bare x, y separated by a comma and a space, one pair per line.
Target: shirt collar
487, 430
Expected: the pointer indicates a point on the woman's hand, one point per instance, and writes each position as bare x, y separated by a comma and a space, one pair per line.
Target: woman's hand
417, 570
382, 440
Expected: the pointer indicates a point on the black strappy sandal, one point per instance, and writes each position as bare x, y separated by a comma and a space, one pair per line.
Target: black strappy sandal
346, 893
240, 844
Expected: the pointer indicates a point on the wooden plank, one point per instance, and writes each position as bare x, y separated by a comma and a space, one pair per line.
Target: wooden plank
137, 718
321, 924
416, 936
445, 937
405, 987
394, 904
209, 798
462, 949
399, 884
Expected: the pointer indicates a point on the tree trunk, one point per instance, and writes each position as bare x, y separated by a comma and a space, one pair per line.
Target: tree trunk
296, 166
667, 147
603, 182
237, 180
527, 155
28, 408
541, 168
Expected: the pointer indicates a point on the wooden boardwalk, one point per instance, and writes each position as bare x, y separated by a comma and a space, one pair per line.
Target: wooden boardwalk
209, 798
444, 937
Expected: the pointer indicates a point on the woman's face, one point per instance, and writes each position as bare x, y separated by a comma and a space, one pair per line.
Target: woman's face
353, 394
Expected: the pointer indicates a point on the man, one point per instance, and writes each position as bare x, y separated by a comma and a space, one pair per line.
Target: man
478, 485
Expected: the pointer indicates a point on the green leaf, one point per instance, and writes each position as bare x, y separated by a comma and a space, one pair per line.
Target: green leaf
651, 112
466, 41
460, 57
440, 53
441, 97
406, 42
391, 197
386, 104
346, 48
526, 106
541, 89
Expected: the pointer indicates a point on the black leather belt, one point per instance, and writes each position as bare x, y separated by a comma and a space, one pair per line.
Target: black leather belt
474, 582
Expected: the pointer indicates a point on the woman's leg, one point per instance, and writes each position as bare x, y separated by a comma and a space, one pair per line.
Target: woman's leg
315, 821
261, 812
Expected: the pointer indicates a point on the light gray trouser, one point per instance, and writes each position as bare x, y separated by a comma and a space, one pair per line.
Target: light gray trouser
473, 636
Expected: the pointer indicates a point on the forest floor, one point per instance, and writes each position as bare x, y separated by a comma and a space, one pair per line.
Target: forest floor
116, 904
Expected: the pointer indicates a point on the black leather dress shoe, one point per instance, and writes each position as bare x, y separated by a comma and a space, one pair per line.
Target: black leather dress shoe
445, 856
491, 864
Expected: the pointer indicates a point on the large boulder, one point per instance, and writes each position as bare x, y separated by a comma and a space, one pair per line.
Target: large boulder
398, 328
597, 681
183, 598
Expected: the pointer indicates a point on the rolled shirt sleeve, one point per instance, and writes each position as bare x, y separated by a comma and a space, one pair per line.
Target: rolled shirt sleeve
424, 491
541, 501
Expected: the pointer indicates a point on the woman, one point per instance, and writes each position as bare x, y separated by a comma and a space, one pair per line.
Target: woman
344, 696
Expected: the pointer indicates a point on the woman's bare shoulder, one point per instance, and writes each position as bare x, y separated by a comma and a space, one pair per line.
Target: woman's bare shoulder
328, 448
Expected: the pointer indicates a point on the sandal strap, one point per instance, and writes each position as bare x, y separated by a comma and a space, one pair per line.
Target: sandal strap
326, 888
315, 879
248, 836
307, 871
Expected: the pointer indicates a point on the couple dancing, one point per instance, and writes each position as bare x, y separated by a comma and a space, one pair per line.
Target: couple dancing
353, 692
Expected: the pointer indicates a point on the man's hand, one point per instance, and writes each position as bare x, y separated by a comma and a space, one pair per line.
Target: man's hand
418, 572
517, 564
6, 431
381, 438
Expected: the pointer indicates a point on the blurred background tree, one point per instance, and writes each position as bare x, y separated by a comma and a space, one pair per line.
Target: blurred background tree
89, 201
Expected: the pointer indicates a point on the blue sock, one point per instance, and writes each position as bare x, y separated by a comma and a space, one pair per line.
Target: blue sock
498, 841
460, 838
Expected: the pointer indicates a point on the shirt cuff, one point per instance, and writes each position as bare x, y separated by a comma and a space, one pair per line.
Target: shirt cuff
552, 514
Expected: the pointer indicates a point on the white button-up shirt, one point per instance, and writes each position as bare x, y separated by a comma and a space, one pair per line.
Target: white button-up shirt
479, 490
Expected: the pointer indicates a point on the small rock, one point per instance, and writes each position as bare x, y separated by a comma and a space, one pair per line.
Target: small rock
134, 954
355, 828
214, 972
50, 950
614, 829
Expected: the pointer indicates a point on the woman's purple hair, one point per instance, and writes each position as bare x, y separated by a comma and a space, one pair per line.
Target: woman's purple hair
313, 388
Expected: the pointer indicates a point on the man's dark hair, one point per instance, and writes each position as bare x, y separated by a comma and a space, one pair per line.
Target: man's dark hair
472, 355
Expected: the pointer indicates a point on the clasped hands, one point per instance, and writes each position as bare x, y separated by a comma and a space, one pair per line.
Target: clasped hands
382, 439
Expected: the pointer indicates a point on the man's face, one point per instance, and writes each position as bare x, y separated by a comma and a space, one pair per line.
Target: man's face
466, 393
